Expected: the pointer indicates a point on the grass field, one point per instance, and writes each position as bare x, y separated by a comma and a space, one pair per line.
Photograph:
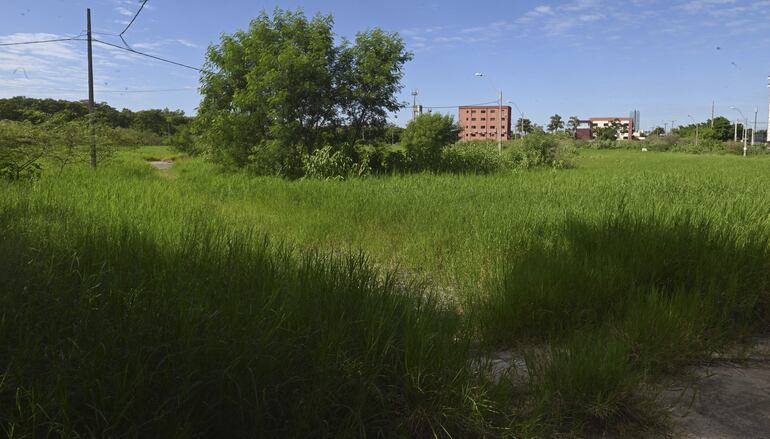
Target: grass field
212, 303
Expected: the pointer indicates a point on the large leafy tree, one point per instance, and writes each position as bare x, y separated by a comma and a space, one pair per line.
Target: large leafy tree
370, 73
283, 88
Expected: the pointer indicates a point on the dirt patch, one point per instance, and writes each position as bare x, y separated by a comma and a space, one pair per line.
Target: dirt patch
730, 398
161, 164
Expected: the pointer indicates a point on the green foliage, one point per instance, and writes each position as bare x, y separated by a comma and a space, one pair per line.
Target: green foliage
326, 164
603, 287
573, 123
250, 339
426, 136
57, 112
473, 158
608, 133
623, 299
524, 125
283, 88
395, 161
555, 124
540, 149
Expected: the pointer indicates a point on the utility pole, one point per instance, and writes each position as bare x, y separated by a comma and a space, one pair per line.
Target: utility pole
712, 113
767, 132
756, 110
500, 124
735, 134
91, 90
415, 92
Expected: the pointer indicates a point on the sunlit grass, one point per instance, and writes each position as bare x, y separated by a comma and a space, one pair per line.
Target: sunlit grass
218, 303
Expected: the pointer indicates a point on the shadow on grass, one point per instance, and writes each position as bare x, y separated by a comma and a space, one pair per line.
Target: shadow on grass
612, 306
216, 333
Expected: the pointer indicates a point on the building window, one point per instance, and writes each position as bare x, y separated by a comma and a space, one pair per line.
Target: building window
492, 111
473, 111
473, 118
483, 118
483, 111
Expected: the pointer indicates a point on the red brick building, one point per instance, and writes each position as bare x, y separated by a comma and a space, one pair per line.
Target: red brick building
484, 122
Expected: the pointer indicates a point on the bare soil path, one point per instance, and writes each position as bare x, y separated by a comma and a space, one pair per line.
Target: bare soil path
730, 400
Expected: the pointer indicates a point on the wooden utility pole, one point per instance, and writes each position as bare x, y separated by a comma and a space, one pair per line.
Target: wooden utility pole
91, 90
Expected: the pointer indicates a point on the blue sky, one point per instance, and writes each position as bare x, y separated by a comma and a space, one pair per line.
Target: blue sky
587, 58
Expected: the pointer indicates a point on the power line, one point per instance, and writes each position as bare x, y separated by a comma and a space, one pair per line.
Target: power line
132, 20
55, 40
65, 90
128, 49
463, 105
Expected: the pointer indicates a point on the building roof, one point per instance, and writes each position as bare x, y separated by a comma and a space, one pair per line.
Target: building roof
611, 118
484, 106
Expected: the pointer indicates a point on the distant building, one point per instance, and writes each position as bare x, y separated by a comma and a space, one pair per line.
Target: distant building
479, 122
626, 125
637, 117
584, 131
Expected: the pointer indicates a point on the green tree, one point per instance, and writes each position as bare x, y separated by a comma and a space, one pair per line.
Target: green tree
658, 131
282, 89
524, 125
573, 123
609, 132
369, 79
723, 128
426, 136
556, 123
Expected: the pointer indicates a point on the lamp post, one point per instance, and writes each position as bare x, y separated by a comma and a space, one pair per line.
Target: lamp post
696, 129
745, 122
499, 113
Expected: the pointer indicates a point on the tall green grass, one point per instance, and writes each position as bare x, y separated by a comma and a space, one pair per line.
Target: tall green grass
128, 310
137, 304
615, 304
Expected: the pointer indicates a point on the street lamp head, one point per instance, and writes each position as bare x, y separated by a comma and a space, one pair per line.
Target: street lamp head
479, 74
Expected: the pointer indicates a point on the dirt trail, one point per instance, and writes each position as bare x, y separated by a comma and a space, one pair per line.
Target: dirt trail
161, 165
731, 399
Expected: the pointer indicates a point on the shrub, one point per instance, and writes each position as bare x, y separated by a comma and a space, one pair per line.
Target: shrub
327, 165
426, 136
540, 149
474, 158
395, 161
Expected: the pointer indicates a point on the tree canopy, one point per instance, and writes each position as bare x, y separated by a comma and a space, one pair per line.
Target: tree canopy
283, 88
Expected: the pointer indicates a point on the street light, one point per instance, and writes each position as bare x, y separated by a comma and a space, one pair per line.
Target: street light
696, 129
745, 122
499, 113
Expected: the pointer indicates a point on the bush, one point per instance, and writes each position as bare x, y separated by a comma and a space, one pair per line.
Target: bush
395, 161
327, 165
426, 136
473, 158
541, 149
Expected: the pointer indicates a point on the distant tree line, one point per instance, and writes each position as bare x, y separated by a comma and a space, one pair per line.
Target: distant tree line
163, 122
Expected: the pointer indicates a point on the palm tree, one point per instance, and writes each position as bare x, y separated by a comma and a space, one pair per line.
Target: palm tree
556, 123
574, 123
